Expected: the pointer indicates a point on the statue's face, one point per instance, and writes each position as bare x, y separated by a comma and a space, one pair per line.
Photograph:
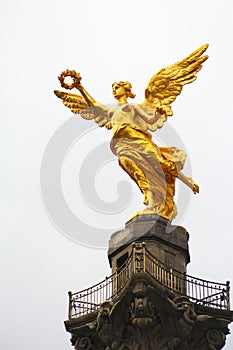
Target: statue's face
118, 91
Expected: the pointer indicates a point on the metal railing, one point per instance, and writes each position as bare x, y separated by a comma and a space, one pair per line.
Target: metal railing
200, 291
89, 299
215, 295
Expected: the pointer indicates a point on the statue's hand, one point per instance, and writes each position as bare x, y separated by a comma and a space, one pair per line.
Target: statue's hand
160, 110
79, 86
76, 78
108, 125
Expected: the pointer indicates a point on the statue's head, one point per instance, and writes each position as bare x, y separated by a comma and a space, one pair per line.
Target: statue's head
122, 88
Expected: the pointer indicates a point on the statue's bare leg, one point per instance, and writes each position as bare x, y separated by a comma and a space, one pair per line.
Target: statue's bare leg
189, 182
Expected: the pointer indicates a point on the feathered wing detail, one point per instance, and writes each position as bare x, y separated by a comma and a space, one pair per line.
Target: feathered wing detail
75, 102
78, 105
167, 83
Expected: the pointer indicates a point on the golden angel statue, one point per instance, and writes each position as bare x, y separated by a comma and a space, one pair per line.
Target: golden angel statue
153, 168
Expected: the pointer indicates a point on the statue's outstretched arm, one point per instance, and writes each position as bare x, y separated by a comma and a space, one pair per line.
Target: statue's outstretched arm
90, 100
83, 104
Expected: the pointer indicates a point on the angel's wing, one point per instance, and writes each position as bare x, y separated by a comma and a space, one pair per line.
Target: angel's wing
167, 83
78, 105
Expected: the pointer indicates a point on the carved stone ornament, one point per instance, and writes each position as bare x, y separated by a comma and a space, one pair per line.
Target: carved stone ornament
216, 339
84, 343
147, 319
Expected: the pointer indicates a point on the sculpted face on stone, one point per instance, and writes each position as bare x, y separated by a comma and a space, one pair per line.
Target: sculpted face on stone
142, 312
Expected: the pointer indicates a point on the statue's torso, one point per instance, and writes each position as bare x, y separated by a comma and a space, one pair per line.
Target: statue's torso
126, 114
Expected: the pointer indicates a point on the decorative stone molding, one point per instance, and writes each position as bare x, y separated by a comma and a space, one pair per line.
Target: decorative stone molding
84, 343
146, 319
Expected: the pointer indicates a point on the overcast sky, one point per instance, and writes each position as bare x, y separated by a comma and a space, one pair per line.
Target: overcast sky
105, 41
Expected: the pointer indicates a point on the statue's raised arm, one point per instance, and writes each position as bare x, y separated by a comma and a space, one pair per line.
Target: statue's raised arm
82, 104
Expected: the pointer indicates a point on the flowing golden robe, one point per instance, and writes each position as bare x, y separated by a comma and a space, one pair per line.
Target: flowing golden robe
139, 157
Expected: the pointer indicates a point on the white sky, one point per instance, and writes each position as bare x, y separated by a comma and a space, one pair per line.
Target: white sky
106, 41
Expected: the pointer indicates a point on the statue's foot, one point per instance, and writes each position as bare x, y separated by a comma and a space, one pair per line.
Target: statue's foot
193, 185
195, 188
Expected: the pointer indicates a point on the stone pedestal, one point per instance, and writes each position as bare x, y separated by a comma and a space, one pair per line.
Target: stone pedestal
149, 302
167, 243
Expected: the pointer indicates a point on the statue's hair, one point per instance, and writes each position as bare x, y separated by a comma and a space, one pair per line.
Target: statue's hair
127, 86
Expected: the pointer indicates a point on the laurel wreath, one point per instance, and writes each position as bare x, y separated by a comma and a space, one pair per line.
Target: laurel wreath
69, 73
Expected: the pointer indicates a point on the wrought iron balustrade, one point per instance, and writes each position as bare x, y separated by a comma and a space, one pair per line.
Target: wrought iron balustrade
215, 295
89, 299
198, 290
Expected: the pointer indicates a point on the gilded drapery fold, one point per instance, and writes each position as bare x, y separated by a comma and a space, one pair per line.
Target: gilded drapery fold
138, 156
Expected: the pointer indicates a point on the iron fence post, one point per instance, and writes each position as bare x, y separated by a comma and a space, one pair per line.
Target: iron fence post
70, 304
228, 294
